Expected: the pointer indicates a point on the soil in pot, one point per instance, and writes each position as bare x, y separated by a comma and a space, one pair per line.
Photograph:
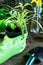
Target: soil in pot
13, 33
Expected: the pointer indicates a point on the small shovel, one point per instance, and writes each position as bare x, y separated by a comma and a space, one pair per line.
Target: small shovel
36, 53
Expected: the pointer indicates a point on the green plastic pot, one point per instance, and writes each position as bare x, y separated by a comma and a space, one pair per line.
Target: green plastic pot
12, 46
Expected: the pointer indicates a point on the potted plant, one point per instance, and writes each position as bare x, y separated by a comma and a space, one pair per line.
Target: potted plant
14, 41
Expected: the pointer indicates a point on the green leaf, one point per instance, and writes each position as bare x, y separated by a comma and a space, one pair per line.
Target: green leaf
2, 25
12, 26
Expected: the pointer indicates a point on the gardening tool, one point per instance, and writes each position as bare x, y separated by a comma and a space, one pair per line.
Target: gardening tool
36, 53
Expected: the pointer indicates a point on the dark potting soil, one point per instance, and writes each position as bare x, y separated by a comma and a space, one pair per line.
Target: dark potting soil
13, 33
17, 29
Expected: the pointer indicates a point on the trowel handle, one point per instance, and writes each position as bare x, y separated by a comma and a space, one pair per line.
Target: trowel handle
31, 60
